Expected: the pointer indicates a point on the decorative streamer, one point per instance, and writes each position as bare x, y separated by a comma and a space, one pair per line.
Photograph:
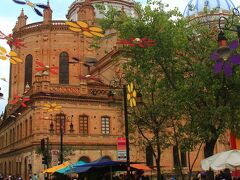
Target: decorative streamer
34, 6
12, 41
141, 42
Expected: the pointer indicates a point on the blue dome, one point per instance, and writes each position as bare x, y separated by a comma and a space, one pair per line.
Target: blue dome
196, 6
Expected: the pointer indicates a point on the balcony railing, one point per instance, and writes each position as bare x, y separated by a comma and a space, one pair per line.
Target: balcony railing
57, 24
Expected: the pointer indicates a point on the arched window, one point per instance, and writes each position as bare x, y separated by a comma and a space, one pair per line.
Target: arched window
83, 124
60, 123
63, 68
21, 129
179, 157
105, 124
26, 128
84, 159
28, 70
149, 155
30, 126
107, 157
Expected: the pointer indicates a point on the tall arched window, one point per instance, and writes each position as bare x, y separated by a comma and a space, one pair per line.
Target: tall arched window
149, 155
30, 126
63, 68
28, 70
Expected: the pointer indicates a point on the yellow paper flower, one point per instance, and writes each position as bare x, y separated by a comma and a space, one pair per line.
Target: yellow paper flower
132, 94
12, 56
52, 107
83, 27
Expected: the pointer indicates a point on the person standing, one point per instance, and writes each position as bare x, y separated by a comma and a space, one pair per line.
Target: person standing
35, 176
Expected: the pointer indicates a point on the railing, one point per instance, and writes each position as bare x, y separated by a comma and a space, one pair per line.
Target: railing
81, 90
57, 24
100, 91
30, 26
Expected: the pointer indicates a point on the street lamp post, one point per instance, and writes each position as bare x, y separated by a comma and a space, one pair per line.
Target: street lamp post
110, 95
229, 24
62, 122
61, 117
126, 130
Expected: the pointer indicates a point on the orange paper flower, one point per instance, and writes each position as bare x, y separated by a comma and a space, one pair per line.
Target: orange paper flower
83, 27
12, 56
132, 94
52, 107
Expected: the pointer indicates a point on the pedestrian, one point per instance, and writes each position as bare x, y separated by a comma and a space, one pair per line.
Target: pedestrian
35, 177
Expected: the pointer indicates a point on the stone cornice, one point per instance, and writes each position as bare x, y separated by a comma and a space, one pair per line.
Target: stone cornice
58, 25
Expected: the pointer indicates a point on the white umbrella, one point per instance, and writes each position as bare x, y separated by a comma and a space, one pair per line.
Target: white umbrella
228, 159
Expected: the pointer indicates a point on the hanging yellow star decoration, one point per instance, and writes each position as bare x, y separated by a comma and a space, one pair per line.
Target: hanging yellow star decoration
12, 56
52, 107
83, 27
132, 94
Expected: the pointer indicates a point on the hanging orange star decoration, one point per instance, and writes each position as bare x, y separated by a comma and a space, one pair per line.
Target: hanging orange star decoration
83, 27
22, 99
45, 69
50, 107
132, 94
12, 56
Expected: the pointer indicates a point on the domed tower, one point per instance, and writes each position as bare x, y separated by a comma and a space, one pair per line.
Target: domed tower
208, 10
79, 8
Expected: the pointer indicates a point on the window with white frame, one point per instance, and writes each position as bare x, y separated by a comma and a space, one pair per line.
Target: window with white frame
105, 125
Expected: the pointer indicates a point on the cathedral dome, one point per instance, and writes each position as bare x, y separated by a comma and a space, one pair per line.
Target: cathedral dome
126, 5
196, 6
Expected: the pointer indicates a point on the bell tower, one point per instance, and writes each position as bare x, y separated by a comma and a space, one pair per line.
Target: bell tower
22, 20
47, 14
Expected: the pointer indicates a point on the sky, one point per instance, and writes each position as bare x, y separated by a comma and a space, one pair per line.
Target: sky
9, 11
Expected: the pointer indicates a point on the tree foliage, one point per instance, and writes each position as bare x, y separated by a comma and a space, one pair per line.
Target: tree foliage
184, 102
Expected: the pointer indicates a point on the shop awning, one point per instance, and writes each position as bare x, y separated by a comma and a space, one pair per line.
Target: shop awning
140, 167
55, 168
69, 169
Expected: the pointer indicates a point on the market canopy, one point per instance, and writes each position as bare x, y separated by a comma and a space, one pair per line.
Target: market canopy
102, 162
55, 168
228, 159
68, 169
140, 167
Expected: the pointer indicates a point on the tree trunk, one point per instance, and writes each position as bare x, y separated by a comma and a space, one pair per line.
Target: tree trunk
158, 168
209, 147
208, 151
158, 158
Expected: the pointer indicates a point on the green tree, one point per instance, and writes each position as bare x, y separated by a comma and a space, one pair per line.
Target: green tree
184, 102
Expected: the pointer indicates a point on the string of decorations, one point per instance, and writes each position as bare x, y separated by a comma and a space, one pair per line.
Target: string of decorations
34, 6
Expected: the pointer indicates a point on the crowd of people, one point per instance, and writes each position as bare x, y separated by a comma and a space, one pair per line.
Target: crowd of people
17, 177
222, 175
10, 177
